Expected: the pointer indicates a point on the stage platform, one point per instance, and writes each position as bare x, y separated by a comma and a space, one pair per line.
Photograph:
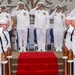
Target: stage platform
16, 54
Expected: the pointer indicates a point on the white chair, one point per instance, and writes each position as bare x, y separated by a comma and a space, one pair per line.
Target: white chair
47, 38
31, 42
16, 47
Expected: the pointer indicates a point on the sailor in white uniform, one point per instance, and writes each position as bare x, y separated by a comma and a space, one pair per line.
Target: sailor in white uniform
23, 22
68, 32
73, 38
4, 37
6, 15
58, 27
4, 23
41, 24
1, 29
72, 15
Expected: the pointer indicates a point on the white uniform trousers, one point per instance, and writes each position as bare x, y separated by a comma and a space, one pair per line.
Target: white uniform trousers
58, 39
0, 65
74, 67
5, 46
22, 35
73, 49
41, 38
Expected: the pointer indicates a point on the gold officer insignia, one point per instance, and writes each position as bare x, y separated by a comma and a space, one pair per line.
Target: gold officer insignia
7, 16
24, 14
44, 13
61, 17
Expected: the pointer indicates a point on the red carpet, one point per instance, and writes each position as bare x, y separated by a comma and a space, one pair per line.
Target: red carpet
37, 63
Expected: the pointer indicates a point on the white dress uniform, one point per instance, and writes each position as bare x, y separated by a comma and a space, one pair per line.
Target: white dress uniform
1, 29
4, 37
73, 41
58, 29
41, 25
72, 14
73, 47
68, 42
3, 21
5, 45
6, 15
5, 41
22, 26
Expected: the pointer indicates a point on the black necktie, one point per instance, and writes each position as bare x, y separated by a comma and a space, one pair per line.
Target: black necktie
5, 37
72, 34
66, 33
1, 44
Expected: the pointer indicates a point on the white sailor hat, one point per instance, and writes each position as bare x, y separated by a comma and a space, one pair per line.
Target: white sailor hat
40, 3
73, 18
3, 6
58, 6
20, 2
68, 18
1, 29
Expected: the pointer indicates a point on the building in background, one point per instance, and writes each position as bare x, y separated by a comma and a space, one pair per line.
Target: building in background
67, 5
